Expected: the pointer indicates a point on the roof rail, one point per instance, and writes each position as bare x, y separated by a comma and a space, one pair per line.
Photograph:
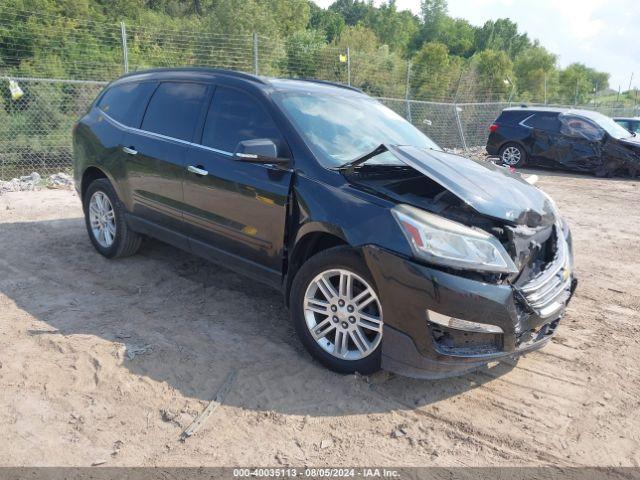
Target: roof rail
219, 71
327, 82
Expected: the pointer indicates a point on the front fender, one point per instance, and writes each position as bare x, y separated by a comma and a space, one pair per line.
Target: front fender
340, 209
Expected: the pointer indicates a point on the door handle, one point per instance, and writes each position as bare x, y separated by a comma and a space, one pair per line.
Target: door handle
130, 151
197, 170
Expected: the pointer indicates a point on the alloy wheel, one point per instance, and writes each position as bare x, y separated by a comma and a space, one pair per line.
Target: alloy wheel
102, 219
343, 314
511, 156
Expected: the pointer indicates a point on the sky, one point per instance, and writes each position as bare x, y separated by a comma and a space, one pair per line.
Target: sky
603, 34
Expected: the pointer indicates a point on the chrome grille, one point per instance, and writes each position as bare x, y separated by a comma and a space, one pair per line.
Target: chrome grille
548, 292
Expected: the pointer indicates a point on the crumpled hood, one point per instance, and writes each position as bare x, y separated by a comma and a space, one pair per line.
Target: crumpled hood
489, 189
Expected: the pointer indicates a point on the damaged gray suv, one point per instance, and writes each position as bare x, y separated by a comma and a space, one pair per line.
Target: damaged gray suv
389, 252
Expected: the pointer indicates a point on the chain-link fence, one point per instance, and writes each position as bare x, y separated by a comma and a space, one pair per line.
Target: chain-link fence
452, 107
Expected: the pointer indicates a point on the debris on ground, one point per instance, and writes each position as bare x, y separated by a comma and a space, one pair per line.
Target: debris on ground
133, 350
327, 443
21, 184
475, 153
60, 180
117, 445
213, 404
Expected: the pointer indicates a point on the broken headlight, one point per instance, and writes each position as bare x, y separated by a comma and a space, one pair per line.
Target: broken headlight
445, 242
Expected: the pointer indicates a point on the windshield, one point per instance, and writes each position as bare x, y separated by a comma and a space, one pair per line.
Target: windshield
339, 129
607, 124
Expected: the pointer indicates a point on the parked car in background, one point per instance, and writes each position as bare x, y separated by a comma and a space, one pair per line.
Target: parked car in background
631, 124
389, 251
579, 140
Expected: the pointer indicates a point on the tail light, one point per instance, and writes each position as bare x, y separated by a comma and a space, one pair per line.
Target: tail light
493, 128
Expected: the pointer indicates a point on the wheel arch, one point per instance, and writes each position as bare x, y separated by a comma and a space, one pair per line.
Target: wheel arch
90, 174
311, 240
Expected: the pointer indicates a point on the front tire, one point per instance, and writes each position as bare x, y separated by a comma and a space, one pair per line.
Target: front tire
337, 313
104, 219
513, 155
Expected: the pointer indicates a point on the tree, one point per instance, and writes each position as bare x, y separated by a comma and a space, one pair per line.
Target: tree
577, 83
501, 34
393, 28
302, 52
352, 11
329, 22
434, 72
495, 75
434, 13
535, 70
458, 34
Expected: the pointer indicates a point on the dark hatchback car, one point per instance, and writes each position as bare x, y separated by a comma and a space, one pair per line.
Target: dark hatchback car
578, 140
389, 252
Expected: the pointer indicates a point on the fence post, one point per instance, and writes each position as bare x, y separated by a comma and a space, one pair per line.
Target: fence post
348, 66
457, 109
407, 93
125, 50
255, 54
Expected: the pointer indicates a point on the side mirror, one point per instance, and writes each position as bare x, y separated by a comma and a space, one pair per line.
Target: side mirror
260, 150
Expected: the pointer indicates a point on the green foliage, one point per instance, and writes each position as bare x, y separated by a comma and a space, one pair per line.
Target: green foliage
495, 72
302, 54
434, 72
578, 83
81, 39
535, 69
502, 35
329, 22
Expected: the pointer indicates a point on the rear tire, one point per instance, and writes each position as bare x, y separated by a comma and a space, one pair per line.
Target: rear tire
337, 313
513, 155
105, 222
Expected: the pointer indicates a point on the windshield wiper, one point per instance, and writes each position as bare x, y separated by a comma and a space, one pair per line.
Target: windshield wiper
350, 166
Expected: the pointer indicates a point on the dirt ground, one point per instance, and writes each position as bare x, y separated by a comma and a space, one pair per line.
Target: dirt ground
106, 362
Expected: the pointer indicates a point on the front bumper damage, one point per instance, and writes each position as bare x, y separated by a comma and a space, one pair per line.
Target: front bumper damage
414, 346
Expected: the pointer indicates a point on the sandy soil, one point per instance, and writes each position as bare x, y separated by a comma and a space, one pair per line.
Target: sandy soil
70, 393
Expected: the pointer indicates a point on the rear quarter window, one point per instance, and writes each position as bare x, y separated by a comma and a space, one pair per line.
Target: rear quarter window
544, 121
512, 117
126, 102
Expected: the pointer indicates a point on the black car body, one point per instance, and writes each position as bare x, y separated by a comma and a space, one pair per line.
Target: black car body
467, 262
578, 140
630, 123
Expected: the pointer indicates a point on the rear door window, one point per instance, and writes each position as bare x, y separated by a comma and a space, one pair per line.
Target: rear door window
544, 121
235, 116
126, 102
174, 109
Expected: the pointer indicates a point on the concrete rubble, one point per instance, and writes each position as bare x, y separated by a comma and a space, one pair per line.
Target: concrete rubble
34, 180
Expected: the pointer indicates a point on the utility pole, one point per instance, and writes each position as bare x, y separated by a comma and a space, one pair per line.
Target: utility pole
630, 81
